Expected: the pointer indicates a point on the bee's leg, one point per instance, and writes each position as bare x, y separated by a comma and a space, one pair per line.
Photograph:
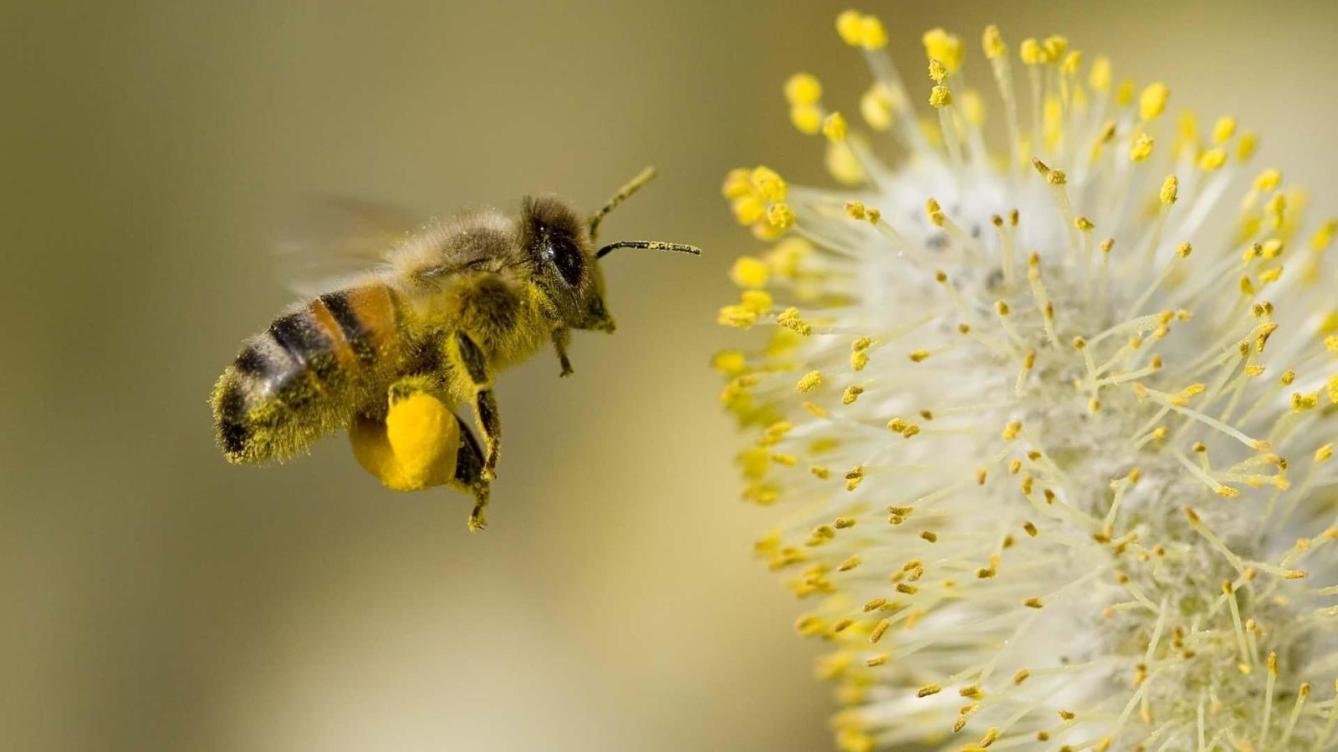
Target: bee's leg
474, 366
561, 337
469, 475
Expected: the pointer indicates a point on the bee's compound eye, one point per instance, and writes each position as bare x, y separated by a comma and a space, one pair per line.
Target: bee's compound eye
567, 258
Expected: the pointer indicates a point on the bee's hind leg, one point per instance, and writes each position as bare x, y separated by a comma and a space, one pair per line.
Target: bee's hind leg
469, 464
468, 358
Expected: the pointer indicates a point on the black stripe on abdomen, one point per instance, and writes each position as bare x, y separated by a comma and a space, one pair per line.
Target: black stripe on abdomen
301, 337
358, 336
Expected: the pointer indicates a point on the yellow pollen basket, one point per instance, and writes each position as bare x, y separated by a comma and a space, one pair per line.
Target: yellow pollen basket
415, 448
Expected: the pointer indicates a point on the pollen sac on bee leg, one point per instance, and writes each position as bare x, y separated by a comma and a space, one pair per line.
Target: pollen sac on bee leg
413, 448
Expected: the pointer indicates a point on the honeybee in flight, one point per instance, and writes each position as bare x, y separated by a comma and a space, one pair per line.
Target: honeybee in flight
451, 306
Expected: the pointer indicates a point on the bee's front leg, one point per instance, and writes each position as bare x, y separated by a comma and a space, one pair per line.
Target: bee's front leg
467, 358
561, 337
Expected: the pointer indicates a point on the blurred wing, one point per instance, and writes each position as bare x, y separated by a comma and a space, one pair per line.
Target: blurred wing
334, 241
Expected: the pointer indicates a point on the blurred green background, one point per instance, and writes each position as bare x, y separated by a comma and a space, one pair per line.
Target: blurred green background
156, 598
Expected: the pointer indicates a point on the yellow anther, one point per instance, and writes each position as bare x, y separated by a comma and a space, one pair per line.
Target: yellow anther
940, 96
757, 301
1031, 51
1276, 208
737, 183
1213, 159
1084, 224
918, 356
929, 535
790, 319
973, 107
1141, 147
876, 107
855, 210
780, 216
803, 88
851, 394
1152, 102
736, 316
937, 70
806, 118
1245, 147
1224, 129
927, 690
1011, 430
1324, 453
768, 183
1072, 62
1032, 603
872, 35
944, 47
1170, 187
842, 163
1271, 248
1184, 249
748, 208
729, 362
1057, 177
849, 25
1099, 75
858, 360
1124, 93
810, 381
1302, 401
1041, 167
1323, 237
1055, 46
1268, 180
834, 127
992, 42
749, 272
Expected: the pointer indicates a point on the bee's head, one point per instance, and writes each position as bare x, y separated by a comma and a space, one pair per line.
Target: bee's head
559, 246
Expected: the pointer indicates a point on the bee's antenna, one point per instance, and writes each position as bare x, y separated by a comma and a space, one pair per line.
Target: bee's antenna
632, 186
650, 245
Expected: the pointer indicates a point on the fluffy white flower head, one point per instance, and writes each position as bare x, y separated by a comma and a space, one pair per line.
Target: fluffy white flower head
1051, 426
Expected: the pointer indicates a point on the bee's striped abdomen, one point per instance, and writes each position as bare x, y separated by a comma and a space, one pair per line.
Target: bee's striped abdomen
302, 376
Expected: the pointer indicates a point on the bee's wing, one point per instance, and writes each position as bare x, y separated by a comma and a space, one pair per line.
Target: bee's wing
331, 241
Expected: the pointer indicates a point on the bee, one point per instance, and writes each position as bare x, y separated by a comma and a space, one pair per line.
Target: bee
452, 305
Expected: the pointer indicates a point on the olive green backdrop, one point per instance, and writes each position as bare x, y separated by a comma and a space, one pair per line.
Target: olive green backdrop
153, 597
